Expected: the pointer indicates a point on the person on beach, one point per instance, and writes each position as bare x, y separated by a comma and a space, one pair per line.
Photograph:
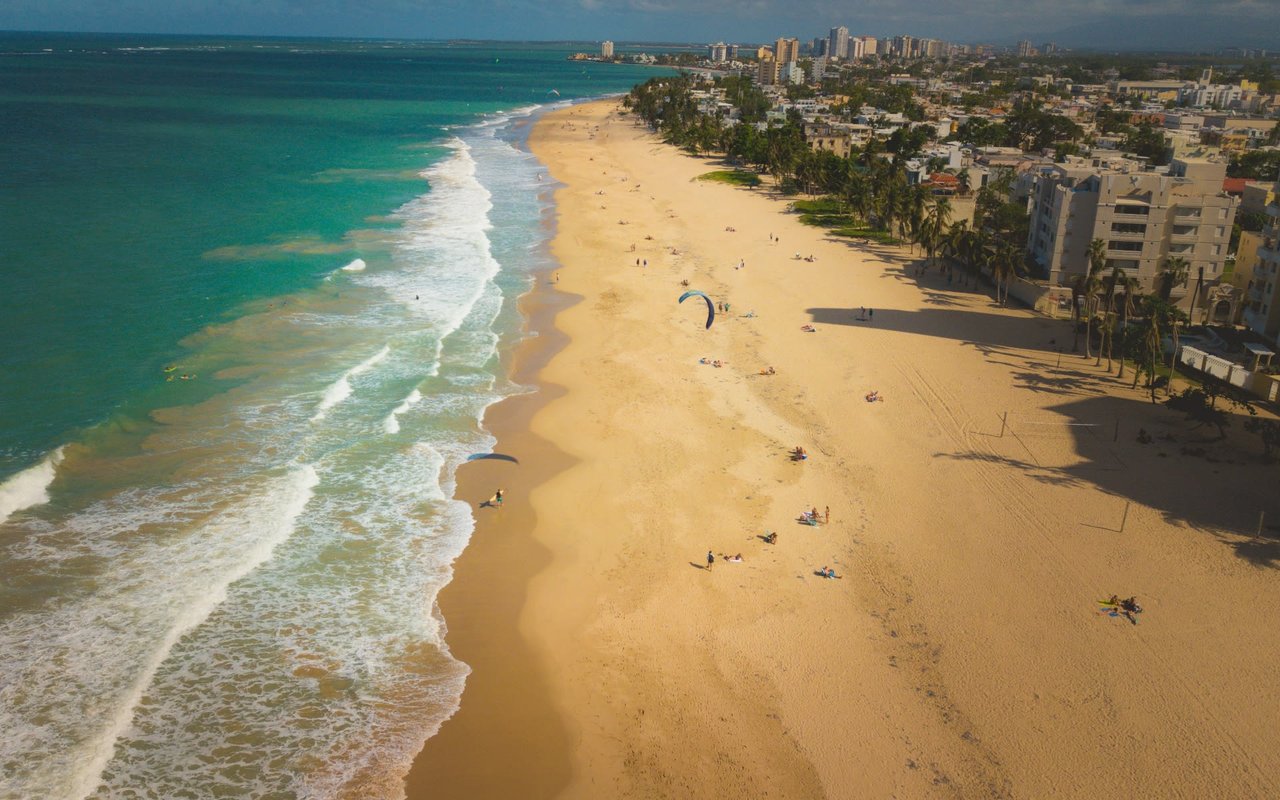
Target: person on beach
711, 559
771, 537
871, 315
826, 517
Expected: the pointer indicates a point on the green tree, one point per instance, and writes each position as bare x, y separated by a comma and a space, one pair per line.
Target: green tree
1174, 274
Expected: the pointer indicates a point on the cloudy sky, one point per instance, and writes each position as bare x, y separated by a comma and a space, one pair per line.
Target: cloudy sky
1253, 22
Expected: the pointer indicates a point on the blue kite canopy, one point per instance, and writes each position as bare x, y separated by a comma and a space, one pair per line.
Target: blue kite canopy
492, 457
711, 307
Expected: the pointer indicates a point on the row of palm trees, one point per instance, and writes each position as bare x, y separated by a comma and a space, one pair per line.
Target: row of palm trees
1094, 297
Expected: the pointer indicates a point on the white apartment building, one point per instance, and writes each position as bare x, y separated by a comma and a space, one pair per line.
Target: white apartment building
606, 49
838, 42
1144, 217
718, 53
863, 46
1262, 301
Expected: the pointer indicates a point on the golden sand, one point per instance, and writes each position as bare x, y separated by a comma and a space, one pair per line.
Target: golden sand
960, 654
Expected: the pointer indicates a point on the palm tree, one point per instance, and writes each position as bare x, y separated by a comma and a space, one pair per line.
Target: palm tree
1130, 285
934, 226
1150, 345
1005, 262
956, 243
1108, 315
1174, 274
1089, 285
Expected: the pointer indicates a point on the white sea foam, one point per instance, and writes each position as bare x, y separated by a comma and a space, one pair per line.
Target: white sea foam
392, 423
340, 389
86, 662
29, 487
355, 266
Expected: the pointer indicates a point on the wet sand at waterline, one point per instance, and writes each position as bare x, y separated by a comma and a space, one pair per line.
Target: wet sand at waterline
978, 513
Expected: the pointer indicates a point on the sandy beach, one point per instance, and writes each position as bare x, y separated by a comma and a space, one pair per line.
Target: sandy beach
978, 512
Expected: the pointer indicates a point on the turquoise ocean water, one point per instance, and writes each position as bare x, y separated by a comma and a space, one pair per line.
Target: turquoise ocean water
252, 299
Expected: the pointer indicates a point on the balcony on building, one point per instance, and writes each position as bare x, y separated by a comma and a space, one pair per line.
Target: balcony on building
1189, 213
1185, 232
1125, 249
1132, 210
1128, 230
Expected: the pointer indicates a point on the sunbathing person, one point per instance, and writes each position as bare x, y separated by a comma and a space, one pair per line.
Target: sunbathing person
808, 329
768, 371
771, 537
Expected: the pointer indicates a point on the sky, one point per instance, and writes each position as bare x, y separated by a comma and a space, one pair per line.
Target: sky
1108, 23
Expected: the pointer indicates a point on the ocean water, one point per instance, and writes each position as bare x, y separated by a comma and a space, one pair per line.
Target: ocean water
254, 298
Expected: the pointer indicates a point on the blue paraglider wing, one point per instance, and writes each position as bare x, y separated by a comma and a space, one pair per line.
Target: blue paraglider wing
711, 307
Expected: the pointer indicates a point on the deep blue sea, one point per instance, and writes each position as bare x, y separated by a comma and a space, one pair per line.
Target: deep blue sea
253, 298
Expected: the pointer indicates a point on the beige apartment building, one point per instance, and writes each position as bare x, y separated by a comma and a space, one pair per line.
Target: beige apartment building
1142, 215
1262, 301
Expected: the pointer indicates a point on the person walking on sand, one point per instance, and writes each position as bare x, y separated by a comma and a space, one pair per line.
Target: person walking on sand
711, 559
827, 516
871, 315
496, 500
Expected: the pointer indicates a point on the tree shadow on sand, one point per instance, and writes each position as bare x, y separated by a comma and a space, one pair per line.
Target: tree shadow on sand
1194, 479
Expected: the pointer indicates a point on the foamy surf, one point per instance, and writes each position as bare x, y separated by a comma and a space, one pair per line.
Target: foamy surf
29, 487
392, 423
287, 500
355, 266
341, 389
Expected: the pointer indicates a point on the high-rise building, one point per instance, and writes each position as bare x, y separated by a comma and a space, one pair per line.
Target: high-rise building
1143, 216
733, 52
868, 46
786, 51
838, 42
1025, 49
819, 48
767, 70
902, 46
606, 49
1262, 312
718, 53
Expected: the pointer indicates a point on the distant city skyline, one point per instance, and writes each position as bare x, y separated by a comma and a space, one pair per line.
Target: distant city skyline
1132, 24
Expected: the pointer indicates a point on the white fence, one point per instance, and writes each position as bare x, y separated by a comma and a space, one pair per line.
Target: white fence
1258, 383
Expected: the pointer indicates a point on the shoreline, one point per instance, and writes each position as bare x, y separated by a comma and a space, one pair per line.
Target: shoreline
608, 662
506, 693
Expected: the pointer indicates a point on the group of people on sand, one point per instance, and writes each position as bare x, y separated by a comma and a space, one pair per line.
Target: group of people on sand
734, 559
713, 362
812, 517
1127, 608
873, 396
808, 329
809, 258
798, 453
